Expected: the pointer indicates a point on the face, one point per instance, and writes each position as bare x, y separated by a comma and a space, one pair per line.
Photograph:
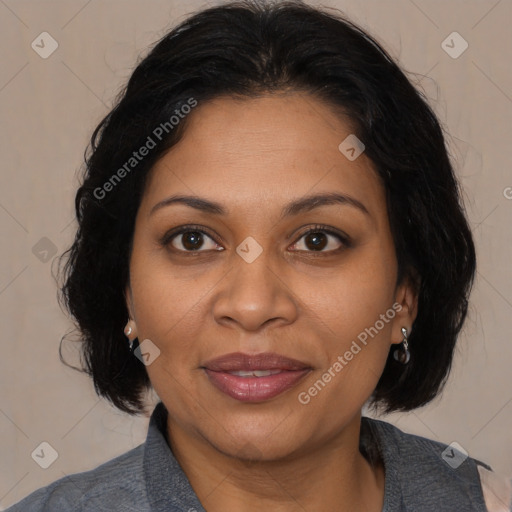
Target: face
251, 264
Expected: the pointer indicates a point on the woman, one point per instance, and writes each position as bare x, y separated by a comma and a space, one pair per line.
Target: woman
270, 236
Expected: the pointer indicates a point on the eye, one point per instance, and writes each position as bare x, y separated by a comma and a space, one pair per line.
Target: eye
320, 239
189, 239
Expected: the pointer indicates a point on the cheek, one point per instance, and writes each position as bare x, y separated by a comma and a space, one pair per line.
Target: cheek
170, 317
168, 312
168, 305
346, 315
351, 297
352, 317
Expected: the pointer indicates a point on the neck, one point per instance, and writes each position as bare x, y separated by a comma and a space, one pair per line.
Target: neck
333, 476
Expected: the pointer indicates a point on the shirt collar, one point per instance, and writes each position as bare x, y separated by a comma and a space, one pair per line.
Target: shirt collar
168, 487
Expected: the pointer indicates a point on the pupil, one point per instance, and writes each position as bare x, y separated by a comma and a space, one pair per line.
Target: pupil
192, 240
316, 241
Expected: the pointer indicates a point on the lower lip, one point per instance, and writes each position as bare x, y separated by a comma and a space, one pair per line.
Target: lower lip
255, 389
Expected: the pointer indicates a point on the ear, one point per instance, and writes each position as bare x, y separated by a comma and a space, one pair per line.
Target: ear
406, 307
129, 300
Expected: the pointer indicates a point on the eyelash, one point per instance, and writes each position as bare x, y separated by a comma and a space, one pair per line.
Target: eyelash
317, 228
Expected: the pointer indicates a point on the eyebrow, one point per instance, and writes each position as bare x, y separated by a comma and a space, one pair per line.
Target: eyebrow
304, 204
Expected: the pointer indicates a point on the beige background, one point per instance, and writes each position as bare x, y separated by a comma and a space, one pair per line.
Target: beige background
48, 109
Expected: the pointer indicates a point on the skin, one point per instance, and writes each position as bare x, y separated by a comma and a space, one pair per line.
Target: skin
253, 157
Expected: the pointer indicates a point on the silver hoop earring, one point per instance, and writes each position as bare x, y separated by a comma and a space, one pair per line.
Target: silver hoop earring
402, 354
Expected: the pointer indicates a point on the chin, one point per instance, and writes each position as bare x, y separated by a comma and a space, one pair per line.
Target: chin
249, 443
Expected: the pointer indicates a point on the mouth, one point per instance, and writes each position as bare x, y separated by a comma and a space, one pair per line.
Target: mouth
255, 378
255, 373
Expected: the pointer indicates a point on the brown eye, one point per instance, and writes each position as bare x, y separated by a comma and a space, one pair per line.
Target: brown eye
192, 240
316, 241
189, 241
320, 240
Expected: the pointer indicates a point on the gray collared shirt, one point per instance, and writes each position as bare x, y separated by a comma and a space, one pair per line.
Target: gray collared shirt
148, 478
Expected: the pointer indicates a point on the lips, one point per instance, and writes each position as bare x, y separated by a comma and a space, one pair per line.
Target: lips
239, 361
255, 378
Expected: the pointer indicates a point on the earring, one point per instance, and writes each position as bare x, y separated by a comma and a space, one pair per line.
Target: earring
403, 355
127, 331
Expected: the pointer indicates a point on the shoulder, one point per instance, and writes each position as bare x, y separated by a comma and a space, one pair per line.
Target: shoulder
117, 484
428, 471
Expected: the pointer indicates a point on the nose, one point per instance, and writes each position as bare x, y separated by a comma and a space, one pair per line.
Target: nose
253, 296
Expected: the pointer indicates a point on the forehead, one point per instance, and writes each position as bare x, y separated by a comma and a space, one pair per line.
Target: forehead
264, 152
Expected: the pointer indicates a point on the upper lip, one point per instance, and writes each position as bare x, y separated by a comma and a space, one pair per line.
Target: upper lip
238, 361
